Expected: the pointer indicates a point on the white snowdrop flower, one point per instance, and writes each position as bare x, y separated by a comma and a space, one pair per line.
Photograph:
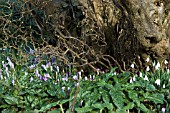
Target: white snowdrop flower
93, 76
146, 78
32, 66
147, 68
10, 63
158, 82
167, 70
131, 80
98, 71
44, 66
31, 51
165, 62
153, 64
163, 110
132, 66
115, 73
86, 78
140, 74
77, 84
157, 66
58, 69
63, 88
79, 73
147, 60
26, 73
31, 79
13, 82
134, 78
163, 85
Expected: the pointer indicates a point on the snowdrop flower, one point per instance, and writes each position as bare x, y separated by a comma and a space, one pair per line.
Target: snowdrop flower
58, 69
79, 74
31, 51
131, 80
44, 66
63, 88
163, 110
77, 84
132, 66
158, 82
140, 74
147, 60
86, 78
31, 79
165, 62
146, 78
13, 82
153, 64
163, 85
147, 68
37, 73
167, 70
10, 63
91, 78
157, 66
98, 71
134, 78
32, 66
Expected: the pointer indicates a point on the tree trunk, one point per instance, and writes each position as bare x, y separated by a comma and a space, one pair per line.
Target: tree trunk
116, 31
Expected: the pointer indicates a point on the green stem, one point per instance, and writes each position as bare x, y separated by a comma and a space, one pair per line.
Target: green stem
62, 110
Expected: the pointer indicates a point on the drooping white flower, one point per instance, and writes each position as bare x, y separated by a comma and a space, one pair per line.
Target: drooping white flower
167, 70
147, 68
134, 78
147, 60
63, 88
31, 79
163, 110
165, 62
85, 78
157, 66
158, 82
13, 82
131, 80
153, 64
10, 63
163, 85
146, 78
132, 66
58, 69
140, 74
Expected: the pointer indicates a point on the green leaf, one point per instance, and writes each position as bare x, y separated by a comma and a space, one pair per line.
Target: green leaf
120, 111
10, 100
55, 111
83, 110
129, 106
143, 108
156, 98
150, 87
117, 97
48, 106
